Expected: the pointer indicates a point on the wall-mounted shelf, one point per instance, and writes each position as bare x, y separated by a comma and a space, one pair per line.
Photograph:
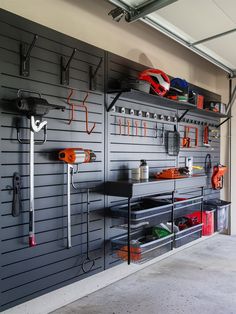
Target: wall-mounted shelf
210, 113
133, 94
136, 95
131, 188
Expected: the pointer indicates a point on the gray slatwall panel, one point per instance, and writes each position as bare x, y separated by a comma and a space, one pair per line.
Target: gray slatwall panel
125, 152
26, 272
58, 265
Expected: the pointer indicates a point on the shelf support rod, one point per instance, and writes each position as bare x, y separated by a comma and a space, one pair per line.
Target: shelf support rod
129, 237
183, 115
114, 101
223, 122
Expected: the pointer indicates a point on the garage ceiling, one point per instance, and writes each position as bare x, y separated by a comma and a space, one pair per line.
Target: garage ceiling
207, 27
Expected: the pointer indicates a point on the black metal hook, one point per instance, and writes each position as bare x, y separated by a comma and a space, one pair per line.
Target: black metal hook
25, 52
92, 74
65, 67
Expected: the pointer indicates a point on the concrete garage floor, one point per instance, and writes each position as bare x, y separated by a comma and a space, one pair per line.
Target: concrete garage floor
200, 279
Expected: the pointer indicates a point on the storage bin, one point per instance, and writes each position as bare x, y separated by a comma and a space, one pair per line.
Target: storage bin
140, 253
207, 221
187, 235
147, 209
221, 214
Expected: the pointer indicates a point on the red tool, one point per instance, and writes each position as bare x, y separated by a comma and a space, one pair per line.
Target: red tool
128, 127
187, 141
217, 176
83, 105
206, 136
136, 127
145, 128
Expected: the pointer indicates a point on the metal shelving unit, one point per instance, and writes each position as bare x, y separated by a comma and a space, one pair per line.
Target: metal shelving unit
138, 189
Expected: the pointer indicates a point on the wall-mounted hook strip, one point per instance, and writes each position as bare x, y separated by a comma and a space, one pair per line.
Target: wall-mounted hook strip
83, 105
25, 52
92, 75
65, 68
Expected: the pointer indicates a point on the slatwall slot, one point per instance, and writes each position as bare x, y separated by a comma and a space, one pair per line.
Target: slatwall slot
126, 151
50, 263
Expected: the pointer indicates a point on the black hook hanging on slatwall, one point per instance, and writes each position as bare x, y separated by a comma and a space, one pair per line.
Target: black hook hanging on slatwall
25, 52
65, 68
92, 75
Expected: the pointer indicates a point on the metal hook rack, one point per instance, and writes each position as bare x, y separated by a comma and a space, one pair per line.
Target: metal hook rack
65, 68
92, 74
25, 52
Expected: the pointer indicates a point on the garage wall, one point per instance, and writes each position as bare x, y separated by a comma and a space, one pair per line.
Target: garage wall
89, 21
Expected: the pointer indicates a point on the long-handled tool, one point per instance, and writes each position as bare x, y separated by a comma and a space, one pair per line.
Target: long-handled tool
73, 156
34, 108
88, 263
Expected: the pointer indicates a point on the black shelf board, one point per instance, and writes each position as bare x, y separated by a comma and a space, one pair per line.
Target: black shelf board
137, 95
132, 188
209, 113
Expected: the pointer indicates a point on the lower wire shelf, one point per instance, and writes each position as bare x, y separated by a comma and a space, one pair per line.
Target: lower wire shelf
187, 235
141, 251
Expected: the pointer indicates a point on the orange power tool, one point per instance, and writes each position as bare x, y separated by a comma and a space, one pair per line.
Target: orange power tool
77, 155
217, 177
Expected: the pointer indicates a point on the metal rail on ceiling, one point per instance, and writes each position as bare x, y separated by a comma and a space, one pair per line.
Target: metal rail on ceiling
131, 15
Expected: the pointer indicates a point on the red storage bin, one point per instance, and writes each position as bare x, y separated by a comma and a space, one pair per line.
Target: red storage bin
207, 220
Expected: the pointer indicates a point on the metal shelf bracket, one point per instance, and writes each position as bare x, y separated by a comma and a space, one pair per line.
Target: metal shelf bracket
92, 75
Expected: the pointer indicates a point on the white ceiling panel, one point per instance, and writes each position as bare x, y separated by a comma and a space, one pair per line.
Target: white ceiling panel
225, 47
197, 19
190, 21
228, 7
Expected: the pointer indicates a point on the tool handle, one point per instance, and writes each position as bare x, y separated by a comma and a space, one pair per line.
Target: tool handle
32, 241
16, 202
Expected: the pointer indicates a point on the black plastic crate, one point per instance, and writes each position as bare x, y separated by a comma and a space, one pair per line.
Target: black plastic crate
145, 210
187, 235
141, 253
187, 206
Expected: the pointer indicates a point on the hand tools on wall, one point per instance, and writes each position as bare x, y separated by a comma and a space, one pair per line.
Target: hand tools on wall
207, 164
88, 263
16, 202
217, 177
206, 136
83, 105
73, 156
173, 142
188, 142
35, 108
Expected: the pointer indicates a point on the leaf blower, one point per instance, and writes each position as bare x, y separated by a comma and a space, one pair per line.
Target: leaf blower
73, 156
217, 176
